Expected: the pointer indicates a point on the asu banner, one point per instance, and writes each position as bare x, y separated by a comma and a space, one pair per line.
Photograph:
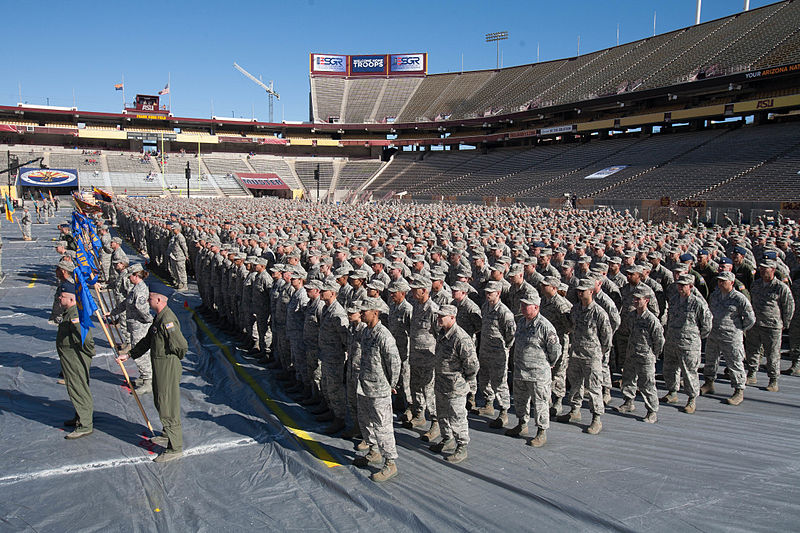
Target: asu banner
48, 177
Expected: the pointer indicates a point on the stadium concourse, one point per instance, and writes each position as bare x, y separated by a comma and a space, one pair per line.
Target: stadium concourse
253, 458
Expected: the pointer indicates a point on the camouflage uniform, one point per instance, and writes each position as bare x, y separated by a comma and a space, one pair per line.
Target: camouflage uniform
355, 332
557, 312
732, 315
378, 374
456, 365
400, 326
497, 333
537, 348
688, 322
422, 344
773, 305
591, 339
332, 346
645, 342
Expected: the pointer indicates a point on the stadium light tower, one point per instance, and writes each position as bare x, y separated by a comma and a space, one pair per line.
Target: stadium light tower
268, 88
496, 37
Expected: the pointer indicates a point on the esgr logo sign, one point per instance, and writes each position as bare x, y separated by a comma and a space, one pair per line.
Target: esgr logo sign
367, 64
407, 63
328, 63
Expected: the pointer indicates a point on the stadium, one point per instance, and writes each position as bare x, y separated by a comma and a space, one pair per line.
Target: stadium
681, 144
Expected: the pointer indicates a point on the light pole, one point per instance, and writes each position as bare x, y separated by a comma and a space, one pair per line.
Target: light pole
496, 37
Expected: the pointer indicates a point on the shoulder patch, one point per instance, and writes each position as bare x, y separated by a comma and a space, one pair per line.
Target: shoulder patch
75, 320
169, 325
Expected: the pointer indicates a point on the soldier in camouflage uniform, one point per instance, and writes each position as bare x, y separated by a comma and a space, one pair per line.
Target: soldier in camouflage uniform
469, 318
456, 365
497, 334
537, 348
137, 320
332, 355
399, 324
378, 375
591, 339
556, 309
422, 344
177, 252
645, 341
689, 321
732, 316
354, 334
773, 305
295, 325
311, 342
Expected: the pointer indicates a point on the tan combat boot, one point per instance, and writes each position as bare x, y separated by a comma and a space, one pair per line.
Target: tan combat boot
670, 397
773, 385
539, 440
432, 433
595, 427
690, 406
737, 398
388, 471
707, 387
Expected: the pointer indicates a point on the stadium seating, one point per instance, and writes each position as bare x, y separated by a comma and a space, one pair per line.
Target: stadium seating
305, 171
706, 164
767, 36
277, 166
355, 173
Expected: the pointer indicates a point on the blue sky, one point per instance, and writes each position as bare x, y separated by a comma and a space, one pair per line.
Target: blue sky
54, 48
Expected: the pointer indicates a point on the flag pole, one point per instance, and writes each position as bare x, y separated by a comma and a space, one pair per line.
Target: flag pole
123, 92
169, 83
125, 373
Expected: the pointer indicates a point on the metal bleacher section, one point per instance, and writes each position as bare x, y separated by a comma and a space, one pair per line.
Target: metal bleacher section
767, 36
750, 162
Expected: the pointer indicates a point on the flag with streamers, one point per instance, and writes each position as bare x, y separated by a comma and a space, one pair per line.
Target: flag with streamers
9, 209
86, 304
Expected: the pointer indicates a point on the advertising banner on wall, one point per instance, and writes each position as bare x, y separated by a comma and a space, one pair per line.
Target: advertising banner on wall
408, 63
328, 64
369, 65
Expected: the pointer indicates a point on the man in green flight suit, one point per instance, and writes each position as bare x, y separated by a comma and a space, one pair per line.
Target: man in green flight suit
167, 347
76, 359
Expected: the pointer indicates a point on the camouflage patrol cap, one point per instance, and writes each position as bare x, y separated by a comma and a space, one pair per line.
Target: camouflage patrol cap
370, 304
341, 272
531, 298
399, 286
354, 307
585, 284
460, 286
493, 286
330, 285
67, 266
117, 240
641, 292
726, 276
685, 279
447, 310
551, 281
314, 284
419, 282
134, 268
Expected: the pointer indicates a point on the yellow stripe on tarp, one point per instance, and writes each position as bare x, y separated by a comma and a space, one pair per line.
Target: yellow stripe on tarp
33, 281
303, 437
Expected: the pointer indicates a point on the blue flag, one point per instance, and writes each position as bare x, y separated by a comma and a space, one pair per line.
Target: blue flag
85, 302
85, 262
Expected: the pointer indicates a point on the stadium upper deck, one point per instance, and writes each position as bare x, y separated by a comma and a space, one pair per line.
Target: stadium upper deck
743, 64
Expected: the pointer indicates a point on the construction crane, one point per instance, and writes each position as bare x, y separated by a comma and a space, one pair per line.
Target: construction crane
268, 88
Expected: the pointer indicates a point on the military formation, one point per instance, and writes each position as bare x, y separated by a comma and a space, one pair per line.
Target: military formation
435, 311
